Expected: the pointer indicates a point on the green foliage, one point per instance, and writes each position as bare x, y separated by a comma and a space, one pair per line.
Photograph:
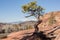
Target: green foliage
33, 9
29, 5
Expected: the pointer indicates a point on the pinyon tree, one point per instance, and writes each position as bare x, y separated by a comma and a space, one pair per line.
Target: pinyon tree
33, 10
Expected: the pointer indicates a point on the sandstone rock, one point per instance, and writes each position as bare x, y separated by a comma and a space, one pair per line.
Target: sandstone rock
44, 26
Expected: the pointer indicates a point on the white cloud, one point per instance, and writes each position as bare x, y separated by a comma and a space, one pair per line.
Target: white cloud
28, 19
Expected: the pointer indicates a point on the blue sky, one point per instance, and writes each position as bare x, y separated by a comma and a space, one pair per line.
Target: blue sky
11, 11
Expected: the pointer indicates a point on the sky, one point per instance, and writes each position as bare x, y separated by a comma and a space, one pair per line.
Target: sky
11, 10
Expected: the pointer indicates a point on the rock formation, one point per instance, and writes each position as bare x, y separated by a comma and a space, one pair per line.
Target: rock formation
49, 29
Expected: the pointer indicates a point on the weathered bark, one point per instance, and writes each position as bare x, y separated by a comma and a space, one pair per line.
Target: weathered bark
38, 22
36, 25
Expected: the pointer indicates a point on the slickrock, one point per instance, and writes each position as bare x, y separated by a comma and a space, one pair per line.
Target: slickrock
55, 27
44, 26
19, 35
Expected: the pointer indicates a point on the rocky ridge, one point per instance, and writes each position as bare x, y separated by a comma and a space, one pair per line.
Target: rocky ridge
50, 26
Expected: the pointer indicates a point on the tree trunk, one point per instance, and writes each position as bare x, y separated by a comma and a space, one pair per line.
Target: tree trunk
36, 25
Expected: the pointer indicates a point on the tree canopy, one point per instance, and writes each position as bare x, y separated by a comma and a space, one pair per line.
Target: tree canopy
33, 9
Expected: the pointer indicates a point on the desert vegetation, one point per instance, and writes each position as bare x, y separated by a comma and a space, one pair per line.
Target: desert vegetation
6, 29
34, 10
